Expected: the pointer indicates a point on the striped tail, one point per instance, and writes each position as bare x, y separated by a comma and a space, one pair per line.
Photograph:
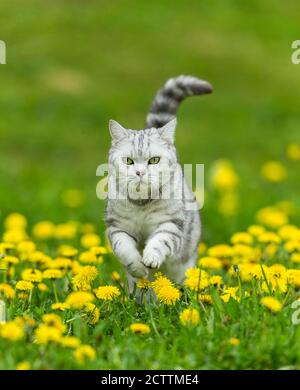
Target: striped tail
168, 98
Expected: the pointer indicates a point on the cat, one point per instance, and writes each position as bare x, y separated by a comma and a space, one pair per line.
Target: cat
147, 230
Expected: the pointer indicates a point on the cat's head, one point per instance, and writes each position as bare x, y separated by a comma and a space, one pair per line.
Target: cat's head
143, 160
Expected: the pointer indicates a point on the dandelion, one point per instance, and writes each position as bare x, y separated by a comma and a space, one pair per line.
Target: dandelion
143, 284
269, 237
23, 366
26, 247
15, 221
115, 276
160, 282
202, 248
223, 176
216, 280
78, 299
60, 306
293, 152
88, 258
24, 285
45, 334
70, 342
43, 230
230, 292
205, 298
107, 293
90, 240
66, 231
289, 232
140, 328
196, 279
242, 238
55, 321
73, 198
82, 281
32, 275
84, 352
98, 250
12, 260
234, 341
189, 317
220, 251
11, 331
14, 236
53, 274
272, 217
273, 171
93, 313
209, 262
256, 230
67, 251
7, 291
168, 295
42, 287
272, 304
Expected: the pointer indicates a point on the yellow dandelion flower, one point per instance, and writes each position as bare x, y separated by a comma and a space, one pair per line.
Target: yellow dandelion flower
84, 352
107, 293
272, 217
32, 275
23, 296
209, 262
23, 366
42, 287
202, 248
115, 276
53, 274
73, 198
228, 204
292, 246
67, 251
289, 232
220, 251
295, 258
93, 313
14, 236
55, 321
168, 295
273, 171
24, 285
87, 228
78, 299
196, 279
256, 230
43, 230
234, 341
272, 304
7, 291
26, 247
216, 280
15, 221
90, 240
11, 331
293, 152
143, 284
88, 257
65, 231
224, 176
160, 282
98, 250
11, 260
61, 306
189, 317
69, 342
205, 298
140, 328
293, 277
86, 275
269, 237
45, 334
230, 292
242, 238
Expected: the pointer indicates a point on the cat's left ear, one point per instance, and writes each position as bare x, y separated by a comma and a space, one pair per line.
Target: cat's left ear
117, 131
167, 132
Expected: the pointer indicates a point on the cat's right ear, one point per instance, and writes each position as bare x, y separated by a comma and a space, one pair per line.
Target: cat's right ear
117, 131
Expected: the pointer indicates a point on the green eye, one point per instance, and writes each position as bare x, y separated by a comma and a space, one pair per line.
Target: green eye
128, 161
154, 160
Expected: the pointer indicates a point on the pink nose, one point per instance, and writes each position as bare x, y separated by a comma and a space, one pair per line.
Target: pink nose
140, 173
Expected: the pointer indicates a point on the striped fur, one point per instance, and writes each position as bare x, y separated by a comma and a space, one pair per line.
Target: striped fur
168, 98
151, 232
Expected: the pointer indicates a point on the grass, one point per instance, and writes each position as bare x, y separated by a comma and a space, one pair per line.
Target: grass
72, 67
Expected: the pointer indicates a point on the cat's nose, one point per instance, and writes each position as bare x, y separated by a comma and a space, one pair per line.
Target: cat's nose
140, 173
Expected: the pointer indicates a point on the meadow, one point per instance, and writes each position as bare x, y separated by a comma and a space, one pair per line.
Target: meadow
70, 68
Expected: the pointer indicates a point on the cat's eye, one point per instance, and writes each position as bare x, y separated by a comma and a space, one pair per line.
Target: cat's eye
154, 160
128, 161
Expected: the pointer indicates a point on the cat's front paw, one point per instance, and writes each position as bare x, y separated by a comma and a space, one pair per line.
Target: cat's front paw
137, 270
152, 259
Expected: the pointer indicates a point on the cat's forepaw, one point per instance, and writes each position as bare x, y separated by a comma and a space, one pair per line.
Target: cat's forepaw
151, 259
137, 270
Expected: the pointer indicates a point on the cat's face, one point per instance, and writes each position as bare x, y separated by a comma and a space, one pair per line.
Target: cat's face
143, 160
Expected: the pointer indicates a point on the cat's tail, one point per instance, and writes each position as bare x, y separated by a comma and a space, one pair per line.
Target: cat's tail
168, 98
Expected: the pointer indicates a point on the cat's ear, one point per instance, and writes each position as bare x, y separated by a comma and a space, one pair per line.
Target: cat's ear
117, 131
167, 132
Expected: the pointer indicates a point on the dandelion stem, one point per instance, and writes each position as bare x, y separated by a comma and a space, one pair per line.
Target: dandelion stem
54, 291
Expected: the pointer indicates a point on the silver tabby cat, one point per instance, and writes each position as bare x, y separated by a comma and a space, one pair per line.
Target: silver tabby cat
152, 216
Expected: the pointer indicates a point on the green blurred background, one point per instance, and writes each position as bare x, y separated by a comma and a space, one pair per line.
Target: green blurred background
73, 65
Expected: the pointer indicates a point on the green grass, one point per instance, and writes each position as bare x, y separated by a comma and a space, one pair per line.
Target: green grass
71, 66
